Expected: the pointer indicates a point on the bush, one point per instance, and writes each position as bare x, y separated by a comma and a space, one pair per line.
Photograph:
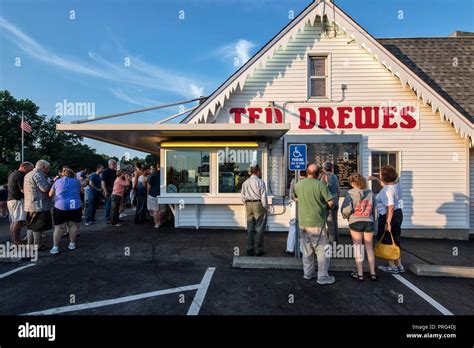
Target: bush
4, 170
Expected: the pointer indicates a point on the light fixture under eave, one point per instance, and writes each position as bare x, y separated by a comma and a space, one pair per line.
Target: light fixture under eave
202, 144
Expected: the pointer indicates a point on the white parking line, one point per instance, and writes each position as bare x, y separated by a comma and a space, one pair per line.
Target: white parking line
96, 304
3, 275
423, 295
201, 293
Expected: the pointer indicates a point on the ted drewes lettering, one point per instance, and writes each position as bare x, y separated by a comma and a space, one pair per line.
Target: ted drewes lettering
37, 331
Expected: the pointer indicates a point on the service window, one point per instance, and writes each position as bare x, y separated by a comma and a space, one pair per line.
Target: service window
234, 167
343, 156
380, 159
318, 75
187, 171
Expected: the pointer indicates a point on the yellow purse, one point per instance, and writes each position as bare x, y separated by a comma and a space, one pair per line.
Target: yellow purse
387, 251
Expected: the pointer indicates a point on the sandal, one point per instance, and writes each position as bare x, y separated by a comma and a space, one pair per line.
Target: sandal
355, 275
373, 277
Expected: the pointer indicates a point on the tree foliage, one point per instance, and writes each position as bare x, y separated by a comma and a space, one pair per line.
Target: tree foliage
44, 142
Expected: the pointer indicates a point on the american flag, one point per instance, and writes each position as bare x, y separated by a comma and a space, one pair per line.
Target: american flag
25, 126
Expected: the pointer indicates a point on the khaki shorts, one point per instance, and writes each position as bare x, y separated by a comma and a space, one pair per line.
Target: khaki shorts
16, 210
152, 204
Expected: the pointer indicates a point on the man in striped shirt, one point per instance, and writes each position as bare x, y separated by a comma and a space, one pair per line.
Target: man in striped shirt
254, 196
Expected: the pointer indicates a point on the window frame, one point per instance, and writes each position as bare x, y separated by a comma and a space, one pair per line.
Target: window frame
165, 173
398, 161
213, 172
327, 75
263, 166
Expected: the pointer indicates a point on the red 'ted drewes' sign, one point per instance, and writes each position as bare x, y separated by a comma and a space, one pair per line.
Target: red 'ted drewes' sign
341, 117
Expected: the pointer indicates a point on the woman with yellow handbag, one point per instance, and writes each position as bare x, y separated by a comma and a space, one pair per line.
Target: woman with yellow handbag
390, 217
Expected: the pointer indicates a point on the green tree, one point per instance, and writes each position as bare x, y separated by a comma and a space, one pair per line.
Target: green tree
11, 110
44, 142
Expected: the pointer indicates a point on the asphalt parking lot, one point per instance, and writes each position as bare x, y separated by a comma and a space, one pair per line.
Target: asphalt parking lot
134, 270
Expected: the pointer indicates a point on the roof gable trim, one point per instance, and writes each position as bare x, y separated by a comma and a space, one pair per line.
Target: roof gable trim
363, 39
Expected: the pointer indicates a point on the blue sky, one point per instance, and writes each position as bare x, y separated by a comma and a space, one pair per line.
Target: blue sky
171, 58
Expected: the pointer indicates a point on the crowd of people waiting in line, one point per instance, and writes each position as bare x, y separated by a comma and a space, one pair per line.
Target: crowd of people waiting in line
70, 198
317, 194
34, 200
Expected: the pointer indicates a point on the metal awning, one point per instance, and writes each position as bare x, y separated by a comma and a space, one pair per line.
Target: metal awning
147, 137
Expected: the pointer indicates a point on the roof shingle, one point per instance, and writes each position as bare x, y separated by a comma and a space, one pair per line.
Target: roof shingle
446, 64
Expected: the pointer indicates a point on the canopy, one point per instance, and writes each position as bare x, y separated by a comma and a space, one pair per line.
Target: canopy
147, 137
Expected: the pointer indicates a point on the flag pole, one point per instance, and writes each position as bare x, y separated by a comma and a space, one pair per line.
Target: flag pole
22, 139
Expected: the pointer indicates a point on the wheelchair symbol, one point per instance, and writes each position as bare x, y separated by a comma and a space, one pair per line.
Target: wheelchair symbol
297, 153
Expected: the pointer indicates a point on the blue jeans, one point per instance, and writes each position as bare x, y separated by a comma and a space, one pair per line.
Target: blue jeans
108, 207
92, 201
140, 213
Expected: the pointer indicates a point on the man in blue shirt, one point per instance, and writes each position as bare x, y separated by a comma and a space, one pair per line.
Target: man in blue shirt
332, 182
95, 186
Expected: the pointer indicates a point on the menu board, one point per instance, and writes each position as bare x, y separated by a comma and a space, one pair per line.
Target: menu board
344, 157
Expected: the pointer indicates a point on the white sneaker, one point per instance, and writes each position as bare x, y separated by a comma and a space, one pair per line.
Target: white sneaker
156, 226
122, 215
309, 278
72, 246
87, 223
54, 250
117, 225
401, 269
326, 280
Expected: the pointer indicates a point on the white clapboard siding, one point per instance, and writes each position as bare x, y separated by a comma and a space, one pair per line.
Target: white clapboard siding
471, 194
434, 159
276, 181
222, 216
187, 216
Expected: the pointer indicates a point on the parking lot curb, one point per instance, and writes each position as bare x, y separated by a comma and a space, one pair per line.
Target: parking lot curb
441, 270
253, 262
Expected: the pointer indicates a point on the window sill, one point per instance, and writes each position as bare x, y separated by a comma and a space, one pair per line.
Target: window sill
221, 199
320, 99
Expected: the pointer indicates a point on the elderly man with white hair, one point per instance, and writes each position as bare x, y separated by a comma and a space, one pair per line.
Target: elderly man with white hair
37, 201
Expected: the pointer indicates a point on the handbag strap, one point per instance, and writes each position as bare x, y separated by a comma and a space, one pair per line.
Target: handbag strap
383, 235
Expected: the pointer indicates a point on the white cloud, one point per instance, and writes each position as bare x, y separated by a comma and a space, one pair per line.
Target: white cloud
34, 49
139, 73
135, 99
239, 49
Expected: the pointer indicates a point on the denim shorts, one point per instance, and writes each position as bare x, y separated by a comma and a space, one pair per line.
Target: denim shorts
362, 226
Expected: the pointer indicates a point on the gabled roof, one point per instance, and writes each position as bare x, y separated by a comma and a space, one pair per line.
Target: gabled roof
445, 64
318, 10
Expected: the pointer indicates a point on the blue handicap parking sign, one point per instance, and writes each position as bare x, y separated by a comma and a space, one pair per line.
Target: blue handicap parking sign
297, 157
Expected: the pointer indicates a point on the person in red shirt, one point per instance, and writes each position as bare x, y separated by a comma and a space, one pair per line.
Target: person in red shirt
120, 184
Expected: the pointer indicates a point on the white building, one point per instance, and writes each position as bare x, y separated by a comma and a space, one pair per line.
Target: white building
355, 100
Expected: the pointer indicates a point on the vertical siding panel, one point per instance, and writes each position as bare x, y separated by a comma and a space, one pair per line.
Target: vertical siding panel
471, 194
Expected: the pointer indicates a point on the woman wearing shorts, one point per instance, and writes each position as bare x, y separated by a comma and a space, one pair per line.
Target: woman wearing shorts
390, 216
67, 210
359, 209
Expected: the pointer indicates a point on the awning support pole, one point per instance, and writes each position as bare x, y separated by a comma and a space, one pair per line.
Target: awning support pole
137, 111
